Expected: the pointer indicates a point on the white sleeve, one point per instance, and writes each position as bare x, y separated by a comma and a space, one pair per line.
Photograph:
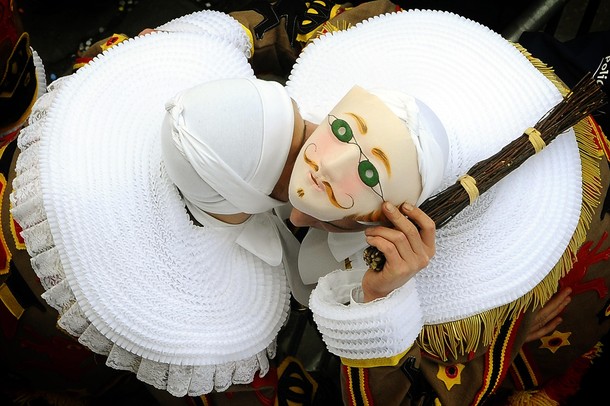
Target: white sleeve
382, 328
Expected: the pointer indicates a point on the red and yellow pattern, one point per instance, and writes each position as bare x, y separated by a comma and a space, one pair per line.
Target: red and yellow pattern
555, 341
450, 374
98, 47
357, 386
496, 363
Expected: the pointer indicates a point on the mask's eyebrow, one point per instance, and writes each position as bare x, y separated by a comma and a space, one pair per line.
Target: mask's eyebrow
377, 152
360, 122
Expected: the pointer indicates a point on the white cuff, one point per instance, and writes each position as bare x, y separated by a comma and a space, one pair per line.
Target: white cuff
379, 329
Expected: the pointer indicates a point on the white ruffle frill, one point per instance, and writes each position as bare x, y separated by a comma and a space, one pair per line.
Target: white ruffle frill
91, 301
179, 380
381, 328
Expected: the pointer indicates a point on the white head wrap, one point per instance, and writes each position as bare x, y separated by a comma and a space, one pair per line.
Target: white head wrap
225, 143
428, 135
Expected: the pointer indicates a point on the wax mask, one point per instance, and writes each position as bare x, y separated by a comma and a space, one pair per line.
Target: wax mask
359, 156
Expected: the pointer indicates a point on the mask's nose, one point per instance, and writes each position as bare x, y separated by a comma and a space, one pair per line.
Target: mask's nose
339, 162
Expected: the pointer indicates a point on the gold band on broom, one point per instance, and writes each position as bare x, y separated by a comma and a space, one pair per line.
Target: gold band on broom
585, 98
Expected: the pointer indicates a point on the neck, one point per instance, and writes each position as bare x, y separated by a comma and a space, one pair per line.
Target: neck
237, 218
308, 129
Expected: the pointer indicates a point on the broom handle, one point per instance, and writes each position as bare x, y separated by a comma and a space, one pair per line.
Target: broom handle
585, 98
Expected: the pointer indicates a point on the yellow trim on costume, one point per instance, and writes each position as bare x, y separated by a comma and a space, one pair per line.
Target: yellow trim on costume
3, 148
528, 368
363, 387
374, 362
19, 242
450, 381
350, 386
250, 39
603, 141
555, 341
322, 28
113, 40
11, 65
9, 300
79, 65
295, 377
452, 339
4, 268
357, 386
532, 398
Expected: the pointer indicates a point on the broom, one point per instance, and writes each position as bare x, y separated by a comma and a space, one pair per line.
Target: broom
586, 97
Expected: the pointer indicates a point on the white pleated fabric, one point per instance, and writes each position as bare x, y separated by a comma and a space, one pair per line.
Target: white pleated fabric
485, 93
187, 308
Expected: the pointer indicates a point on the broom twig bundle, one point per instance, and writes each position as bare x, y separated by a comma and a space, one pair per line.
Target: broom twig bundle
585, 98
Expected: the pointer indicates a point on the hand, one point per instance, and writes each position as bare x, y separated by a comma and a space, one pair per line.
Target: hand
407, 250
547, 318
146, 31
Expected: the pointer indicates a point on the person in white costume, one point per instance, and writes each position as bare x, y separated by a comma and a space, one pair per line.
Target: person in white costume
452, 308
112, 213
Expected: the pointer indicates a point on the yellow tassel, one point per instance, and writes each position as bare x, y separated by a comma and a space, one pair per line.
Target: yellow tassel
458, 338
531, 398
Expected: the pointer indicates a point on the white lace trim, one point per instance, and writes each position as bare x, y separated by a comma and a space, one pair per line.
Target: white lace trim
378, 329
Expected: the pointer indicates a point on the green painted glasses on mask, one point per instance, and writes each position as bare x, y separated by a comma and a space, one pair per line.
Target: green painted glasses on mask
366, 170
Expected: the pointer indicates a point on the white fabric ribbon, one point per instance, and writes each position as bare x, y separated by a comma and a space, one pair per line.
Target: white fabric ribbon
261, 237
432, 149
214, 171
344, 245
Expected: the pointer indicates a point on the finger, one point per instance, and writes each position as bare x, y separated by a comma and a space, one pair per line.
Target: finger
404, 224
419, 230
400, 258
542, 319
394, 215
393, 256
560, 296
547, 318
405, 236
401, 225
555, 305
544, 330
146, 31
395, 273
427, 228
